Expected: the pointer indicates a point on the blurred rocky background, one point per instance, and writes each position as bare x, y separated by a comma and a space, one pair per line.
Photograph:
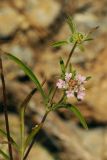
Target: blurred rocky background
27, 29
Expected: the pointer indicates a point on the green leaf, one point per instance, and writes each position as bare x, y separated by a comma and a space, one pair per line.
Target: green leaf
4, 134
81, 47
6, 157
88, 78
70, 68
71, 24
74, 73
50, 91
59, 43
30, 74
76, 111
88, 39
62, 66
27, 99
32, 135
22, 115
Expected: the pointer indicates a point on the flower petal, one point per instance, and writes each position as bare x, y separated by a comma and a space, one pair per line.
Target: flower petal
68, 76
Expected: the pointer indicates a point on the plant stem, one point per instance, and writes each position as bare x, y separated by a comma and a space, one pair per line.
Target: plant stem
22, 133
70, 55
22, 115
33, 141
66, 65
5, 110
53, 94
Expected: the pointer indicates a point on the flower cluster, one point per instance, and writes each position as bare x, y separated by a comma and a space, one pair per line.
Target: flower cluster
73, 85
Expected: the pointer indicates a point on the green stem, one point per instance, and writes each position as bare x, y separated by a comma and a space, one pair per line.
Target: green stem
22, 133
70, 55
22, 114
66, 65
33, 141
51, 101
6, 110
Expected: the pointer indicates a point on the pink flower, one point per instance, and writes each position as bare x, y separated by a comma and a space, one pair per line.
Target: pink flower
69, 93
60, 84
68, 76
73, 86
80, 79
80, 95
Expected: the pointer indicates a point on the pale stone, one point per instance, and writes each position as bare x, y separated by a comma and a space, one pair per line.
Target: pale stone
42, 13
9, 21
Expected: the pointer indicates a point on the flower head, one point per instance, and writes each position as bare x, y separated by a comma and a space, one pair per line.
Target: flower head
73, 86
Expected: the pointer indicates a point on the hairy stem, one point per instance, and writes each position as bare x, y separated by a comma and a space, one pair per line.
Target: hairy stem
33, 141
6, 110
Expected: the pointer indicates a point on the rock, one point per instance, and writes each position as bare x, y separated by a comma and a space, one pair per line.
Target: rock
40, 153
20, 4
49, 62
40, 13
25, 54
22, 52
9, 22
72, 142
96, 96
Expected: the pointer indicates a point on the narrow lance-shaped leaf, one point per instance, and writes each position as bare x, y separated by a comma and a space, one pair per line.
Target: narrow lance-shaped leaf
71, 24
88, 78
28, 98
30, 74
32, 135
81, 47
88, 39
50, 92
59, 43
70, 68
76, 111
23, 108
22, 115
5, 156
62, 66
3, 133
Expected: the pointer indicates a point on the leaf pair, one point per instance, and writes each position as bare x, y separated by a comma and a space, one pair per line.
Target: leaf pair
75, 36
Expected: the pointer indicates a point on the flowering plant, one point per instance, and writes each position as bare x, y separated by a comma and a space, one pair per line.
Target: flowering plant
70, 82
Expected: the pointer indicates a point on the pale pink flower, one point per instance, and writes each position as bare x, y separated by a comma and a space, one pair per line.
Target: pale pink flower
73, 86
69, 93
80, 78
60, 84
80, 95
68, 76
